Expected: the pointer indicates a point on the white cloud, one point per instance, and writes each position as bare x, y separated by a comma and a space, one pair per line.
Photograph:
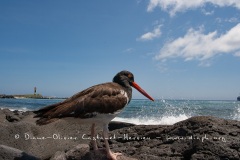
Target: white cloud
173, 6
207, 13
237, 54
233, 20
129, 50
229, 20
196, 45
151, 35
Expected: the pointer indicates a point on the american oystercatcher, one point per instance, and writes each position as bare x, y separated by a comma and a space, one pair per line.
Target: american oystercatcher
98, 104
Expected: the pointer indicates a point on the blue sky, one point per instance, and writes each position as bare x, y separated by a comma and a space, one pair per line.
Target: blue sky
175, 49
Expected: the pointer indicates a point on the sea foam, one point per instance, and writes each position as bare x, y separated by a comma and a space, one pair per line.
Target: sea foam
236, 114
165, 120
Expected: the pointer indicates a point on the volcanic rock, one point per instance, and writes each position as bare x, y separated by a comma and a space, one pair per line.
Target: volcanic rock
196, 138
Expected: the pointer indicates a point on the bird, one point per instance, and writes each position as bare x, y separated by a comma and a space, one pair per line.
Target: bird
98, 104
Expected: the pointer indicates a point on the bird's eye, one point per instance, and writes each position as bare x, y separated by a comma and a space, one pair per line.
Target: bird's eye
130, 76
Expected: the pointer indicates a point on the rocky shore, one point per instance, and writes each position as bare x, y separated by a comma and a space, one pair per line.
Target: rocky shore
33, 96
6, 96
196, 138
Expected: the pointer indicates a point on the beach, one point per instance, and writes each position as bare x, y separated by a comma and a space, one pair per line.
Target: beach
199, 137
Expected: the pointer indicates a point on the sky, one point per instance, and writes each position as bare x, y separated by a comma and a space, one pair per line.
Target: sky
176, 49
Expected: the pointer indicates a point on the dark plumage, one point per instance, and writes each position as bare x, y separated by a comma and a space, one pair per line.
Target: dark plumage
97, 104
102, 98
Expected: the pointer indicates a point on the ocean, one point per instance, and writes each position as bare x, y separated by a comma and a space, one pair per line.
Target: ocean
140, 111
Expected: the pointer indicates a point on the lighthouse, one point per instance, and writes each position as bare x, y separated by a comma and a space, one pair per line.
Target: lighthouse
35, 90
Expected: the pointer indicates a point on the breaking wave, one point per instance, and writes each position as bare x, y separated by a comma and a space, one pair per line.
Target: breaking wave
165, 120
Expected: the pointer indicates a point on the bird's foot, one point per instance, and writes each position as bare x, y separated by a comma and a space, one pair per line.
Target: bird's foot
113, 156
95, 148
94, 144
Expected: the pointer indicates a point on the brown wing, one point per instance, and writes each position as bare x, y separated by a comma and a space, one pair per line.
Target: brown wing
103, 98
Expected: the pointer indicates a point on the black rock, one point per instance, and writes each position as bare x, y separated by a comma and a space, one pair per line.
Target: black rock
202, 137
12, 118
83, 152
117, 125
6, 96
7, 153
196, 138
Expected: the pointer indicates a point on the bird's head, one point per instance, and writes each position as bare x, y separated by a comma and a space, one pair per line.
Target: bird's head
126, 79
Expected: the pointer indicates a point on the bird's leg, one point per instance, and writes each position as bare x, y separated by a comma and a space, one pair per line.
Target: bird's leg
110, 154
93, 137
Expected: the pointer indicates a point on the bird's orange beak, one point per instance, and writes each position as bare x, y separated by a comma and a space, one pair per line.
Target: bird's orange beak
137, 87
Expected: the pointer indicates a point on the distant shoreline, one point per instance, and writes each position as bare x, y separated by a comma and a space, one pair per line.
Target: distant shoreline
29, 96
